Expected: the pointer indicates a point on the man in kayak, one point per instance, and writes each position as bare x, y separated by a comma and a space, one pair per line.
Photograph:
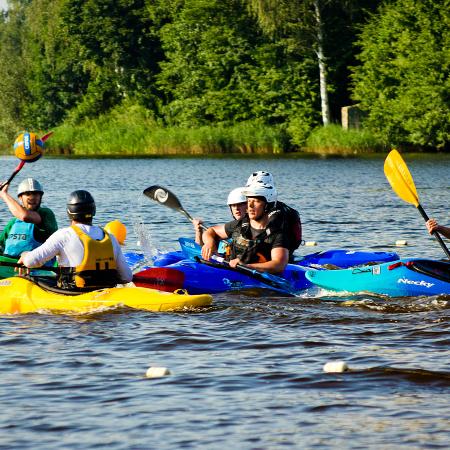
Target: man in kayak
433, 226
32, 224
89, 257
254, 242
236, 201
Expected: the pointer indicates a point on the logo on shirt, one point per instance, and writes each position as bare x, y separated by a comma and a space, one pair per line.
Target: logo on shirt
18, 237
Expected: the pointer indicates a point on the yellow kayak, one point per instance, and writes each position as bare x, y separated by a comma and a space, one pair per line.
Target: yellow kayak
20, 295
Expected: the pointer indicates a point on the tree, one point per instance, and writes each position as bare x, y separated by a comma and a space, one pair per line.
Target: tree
117, 44
403, 82
323, 28
219, 68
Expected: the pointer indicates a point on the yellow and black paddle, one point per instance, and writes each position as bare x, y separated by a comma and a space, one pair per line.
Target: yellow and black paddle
402, 183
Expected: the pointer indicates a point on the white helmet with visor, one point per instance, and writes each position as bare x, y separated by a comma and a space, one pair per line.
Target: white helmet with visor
236, 196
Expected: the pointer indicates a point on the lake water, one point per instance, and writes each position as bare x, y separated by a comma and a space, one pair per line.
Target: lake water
246, 372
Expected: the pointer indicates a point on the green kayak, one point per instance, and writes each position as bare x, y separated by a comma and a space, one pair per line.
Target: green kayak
8, 271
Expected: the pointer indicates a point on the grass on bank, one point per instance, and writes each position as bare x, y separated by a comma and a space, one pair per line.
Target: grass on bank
131, 131
334, 140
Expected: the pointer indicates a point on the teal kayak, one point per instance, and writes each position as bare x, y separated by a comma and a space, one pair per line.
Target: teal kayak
404, 278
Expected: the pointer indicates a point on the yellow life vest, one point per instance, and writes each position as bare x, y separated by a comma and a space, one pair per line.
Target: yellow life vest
98, 268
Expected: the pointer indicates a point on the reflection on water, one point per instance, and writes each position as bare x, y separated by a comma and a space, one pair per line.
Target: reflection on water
246, 372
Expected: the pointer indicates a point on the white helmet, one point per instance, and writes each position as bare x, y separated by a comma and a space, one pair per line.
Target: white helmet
260, 176
260, 189
29, 185
236, 196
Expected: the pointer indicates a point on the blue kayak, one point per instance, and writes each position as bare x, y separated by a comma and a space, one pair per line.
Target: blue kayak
213, 278
403, 278
185, 270
337, 257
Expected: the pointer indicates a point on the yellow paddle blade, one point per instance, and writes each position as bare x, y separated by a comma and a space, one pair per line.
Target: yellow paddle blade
399, 177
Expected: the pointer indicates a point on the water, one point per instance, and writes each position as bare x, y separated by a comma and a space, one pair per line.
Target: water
247, 372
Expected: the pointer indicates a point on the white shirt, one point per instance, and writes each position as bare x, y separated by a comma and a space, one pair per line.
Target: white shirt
69, 250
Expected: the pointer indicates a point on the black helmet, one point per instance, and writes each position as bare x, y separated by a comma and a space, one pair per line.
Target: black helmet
81, 206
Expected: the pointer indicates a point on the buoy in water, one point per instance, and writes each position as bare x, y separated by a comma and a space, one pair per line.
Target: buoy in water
335, 367
157, 372
310, 243
400, 243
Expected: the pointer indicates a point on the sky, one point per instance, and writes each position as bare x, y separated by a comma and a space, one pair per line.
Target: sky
2, 4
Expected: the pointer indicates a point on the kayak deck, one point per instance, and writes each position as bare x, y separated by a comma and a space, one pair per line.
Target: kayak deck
20, 295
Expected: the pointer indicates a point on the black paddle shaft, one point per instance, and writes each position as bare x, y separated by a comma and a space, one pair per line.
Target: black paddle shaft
435, 234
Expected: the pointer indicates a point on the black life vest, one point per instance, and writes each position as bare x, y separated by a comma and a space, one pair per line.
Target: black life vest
282, 219
287, 219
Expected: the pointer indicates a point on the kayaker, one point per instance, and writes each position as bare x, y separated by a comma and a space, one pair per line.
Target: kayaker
281, 215
32, 224
254, 243
236, 201
433, 226
88, 256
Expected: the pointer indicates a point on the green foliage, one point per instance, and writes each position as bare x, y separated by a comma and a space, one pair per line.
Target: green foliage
113, 74
220, 69
403, 82
128, 129
333, 139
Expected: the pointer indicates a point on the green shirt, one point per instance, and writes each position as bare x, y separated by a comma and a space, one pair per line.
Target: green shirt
41, 232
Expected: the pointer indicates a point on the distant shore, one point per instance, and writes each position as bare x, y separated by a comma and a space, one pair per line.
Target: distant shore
246, 140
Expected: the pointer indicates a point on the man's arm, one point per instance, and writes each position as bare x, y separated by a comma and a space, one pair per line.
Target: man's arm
45, 252
279, 260
210, 238
433, 226
17, 210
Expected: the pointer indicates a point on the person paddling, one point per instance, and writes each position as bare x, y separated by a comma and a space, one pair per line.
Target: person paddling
89, 257
253, 242
32, 224
236, 201
433, 227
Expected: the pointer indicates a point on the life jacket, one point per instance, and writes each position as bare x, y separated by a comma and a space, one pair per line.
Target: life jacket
288, 220
98, 268
20, 239
248, 249
282, 219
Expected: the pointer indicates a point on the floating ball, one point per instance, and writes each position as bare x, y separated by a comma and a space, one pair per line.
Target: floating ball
118, 229
28, 147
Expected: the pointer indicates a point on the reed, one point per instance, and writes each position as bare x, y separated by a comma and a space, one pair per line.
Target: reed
133, 132
333, 139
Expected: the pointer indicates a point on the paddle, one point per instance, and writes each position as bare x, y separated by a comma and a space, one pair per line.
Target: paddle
267, 278
16, 171
22, 163
20, 266
167, 198
402, 183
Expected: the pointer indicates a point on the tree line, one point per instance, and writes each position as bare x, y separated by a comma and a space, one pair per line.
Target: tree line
288, 64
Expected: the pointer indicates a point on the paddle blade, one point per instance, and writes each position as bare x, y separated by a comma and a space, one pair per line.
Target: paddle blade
161, 278
190, 248
167, 198
46, 136
400, 178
